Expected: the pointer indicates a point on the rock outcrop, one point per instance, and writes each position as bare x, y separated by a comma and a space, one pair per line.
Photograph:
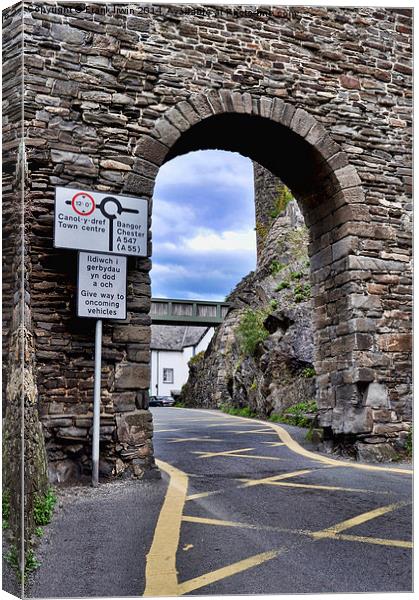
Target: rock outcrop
261, 356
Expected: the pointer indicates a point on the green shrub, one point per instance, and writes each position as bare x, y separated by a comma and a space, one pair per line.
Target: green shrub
238, 412
296, 414
31, 562
273, 304
296, 274
282, 286
43, 507
196, 359
409, 442
251, 331
302, 292
283, 199
308, 372
254, 385
275, 267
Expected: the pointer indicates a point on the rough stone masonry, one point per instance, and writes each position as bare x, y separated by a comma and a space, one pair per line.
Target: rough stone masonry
321, 97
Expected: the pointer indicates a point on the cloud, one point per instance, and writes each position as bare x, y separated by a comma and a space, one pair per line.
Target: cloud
203, 225
227, 241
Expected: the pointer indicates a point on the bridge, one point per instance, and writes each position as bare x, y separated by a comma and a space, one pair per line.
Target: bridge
167, 311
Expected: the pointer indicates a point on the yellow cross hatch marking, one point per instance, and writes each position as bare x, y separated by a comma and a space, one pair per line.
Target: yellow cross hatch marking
264, 431
294, 446
358, 520
274, 444
234, 454
312, 534
268, 480
204, 439
237, 567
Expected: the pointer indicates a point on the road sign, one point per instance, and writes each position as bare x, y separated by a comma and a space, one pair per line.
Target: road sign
86, 220
102, 286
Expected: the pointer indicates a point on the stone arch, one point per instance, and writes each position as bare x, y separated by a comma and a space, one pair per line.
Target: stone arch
330, 194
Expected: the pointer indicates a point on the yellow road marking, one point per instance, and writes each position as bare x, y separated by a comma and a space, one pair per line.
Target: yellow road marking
294, 446
257, 424
265, 480
161, 574
237, 567
273, 444
234, 454
165, 430
203, 495
323, 487
204, 439
312, 534
222, 453
265, 431
358, 520
369, 540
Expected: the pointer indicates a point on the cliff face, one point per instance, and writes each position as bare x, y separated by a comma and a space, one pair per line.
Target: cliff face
261, 356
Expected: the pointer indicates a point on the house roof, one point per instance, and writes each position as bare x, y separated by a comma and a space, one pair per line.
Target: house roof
175, 337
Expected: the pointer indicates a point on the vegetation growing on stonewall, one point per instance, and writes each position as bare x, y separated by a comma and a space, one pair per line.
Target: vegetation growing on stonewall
251, 330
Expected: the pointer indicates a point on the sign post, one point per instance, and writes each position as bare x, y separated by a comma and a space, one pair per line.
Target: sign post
101, 292
112, 227
96, 403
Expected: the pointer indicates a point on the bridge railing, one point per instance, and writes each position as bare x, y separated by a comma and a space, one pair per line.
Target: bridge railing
168, 311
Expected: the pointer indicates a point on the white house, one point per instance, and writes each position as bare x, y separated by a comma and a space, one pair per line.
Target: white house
171, 348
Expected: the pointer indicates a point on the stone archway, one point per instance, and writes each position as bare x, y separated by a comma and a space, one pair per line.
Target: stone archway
350, 377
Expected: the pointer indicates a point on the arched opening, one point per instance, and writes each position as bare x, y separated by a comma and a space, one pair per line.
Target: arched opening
204, 243
297, 149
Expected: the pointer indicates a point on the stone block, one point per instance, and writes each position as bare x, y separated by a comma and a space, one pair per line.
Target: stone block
131, 333
177, 119
132, 376
125, 401
138, 185
395, 342
375, 452
166, 132
302, 122
377, 396
151, 150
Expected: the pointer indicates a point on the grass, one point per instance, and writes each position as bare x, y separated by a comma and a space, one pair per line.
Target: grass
43, 507
296, 414
31, 562
238, 412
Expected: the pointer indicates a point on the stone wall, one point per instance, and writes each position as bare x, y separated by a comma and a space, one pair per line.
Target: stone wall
110, 97
24, 458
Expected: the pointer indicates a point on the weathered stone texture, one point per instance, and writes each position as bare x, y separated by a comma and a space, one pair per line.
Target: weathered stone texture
274, 378
320, 96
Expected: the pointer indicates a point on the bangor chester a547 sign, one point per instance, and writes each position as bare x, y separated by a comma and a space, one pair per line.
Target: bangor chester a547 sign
86, 220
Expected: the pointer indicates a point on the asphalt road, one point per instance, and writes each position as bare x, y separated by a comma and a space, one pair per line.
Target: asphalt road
241, 509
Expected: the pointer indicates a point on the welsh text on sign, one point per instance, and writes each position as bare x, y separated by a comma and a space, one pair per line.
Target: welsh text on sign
102, 286
86, 220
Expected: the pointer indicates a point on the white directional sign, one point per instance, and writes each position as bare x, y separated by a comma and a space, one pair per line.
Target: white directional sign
102, 286
86, 220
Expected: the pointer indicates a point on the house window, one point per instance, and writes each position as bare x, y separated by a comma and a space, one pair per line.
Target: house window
167, 375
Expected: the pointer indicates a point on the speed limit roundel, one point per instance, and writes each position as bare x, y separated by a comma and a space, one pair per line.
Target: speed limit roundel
83, 204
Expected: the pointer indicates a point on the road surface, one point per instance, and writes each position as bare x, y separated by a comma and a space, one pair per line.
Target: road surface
242, 508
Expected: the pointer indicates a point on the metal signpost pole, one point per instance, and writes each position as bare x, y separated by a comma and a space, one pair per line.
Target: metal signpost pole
96, 403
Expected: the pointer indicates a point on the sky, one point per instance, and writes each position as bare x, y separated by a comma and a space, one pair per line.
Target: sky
204, 238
